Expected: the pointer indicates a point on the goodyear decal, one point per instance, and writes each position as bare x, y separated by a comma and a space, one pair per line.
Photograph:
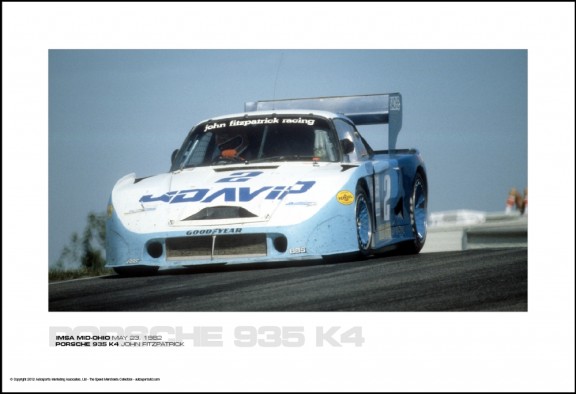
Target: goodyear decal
229, 194
214, 231
345, 197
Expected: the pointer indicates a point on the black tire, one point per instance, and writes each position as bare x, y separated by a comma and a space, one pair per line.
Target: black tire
418, 215
142, 270
364, 221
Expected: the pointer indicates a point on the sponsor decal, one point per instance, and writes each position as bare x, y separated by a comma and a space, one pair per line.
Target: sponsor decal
297, 250
229, 194
214, 231
395, 103
345, 197
250, 122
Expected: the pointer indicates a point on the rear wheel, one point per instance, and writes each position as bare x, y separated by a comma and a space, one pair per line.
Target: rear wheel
363, 221
418, 215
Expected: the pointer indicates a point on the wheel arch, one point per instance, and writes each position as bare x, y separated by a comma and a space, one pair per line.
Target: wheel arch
365, 230
363, 182
367, 183
422, 171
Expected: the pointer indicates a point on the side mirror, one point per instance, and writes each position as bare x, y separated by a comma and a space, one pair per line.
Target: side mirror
347, 146
174, 154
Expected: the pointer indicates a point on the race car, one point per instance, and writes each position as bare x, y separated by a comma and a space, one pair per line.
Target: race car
284, 180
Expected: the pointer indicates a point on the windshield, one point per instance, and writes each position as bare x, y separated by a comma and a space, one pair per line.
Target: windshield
259, 139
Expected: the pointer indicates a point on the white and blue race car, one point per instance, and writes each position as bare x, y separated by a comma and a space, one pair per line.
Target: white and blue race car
285, 180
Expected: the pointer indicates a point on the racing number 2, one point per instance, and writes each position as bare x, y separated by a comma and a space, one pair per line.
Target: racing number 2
240, 176
384, 194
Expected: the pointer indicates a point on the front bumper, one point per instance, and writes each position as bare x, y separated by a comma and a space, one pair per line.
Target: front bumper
238, 244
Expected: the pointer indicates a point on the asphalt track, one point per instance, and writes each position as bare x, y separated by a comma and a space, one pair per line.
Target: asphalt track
470, 280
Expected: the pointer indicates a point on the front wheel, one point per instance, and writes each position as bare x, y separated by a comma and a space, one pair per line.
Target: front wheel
363, 221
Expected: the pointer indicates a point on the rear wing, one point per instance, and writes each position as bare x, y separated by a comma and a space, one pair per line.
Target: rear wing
362, 110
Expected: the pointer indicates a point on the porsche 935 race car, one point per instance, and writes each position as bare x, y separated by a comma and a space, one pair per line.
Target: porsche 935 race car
284, 180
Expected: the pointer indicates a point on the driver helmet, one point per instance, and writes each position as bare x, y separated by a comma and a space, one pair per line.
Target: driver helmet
231, 145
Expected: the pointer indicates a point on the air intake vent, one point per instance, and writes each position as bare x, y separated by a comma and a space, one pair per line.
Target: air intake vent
186, 248
216, 246
222, 212
249, 245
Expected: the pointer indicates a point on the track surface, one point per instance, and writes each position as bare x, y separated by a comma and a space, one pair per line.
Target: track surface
471, 280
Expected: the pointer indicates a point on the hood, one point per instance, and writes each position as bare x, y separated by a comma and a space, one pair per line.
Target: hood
223, 195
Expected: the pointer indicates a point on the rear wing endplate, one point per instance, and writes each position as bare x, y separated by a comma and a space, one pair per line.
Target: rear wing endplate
362, 110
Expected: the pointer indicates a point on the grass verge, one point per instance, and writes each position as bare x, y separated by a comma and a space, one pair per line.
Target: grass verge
56, 275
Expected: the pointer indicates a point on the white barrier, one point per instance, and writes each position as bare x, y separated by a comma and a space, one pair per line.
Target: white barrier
461, 230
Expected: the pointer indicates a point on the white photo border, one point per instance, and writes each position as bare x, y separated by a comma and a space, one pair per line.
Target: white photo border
403, 351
